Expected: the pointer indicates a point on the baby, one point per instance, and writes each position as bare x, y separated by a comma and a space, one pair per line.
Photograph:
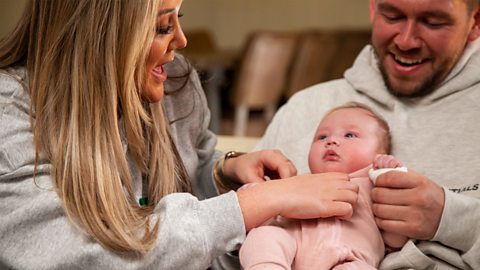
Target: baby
348, 139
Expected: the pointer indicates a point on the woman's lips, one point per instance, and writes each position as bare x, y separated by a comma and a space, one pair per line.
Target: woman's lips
159, 73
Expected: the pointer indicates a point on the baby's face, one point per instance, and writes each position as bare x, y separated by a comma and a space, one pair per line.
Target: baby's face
346, 140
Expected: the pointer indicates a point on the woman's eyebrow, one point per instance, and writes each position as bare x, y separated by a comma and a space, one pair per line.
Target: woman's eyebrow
166, 11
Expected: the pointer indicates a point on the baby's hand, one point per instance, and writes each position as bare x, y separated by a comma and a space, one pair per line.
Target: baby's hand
386, 161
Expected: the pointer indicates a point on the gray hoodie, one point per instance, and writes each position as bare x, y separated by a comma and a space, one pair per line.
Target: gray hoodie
437, 135
35, 233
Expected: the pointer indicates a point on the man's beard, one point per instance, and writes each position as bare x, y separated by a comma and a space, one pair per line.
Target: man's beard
428, 86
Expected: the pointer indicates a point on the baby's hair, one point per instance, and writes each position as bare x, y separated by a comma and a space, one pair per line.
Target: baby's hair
385, 138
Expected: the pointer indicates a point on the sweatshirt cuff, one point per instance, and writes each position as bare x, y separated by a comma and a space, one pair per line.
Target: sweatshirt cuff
227, 228
458, 226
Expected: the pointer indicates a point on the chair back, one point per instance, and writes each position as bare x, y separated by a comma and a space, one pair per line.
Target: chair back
313, 60
200, 41
351, 42
263, 69
324, 55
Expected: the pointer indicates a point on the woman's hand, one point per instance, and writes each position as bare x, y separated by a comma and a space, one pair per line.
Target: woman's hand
254, 167
301, 197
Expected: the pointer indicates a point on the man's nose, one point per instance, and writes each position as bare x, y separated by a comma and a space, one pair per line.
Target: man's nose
407, 37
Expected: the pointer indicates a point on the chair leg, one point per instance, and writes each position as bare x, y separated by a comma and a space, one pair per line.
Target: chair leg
241, 119
269, 112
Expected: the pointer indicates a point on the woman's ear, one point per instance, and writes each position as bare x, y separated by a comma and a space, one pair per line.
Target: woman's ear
475, 31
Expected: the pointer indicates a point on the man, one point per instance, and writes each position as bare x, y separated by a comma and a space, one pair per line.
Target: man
422, 73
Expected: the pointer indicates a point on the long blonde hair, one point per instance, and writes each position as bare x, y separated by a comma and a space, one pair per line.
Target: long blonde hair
85, 61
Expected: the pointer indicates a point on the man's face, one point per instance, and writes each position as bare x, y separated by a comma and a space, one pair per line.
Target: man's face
419, 41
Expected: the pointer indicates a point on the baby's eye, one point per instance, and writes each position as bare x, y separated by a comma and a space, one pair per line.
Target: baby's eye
322, 137
350, 135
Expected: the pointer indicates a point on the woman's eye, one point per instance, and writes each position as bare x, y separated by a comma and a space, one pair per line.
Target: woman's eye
350, 135
164, 30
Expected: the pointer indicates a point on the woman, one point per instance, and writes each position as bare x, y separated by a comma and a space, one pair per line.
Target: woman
98, 161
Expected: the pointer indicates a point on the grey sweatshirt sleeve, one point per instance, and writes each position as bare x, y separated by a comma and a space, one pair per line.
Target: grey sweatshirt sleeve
36, 234
456, 244
461, 231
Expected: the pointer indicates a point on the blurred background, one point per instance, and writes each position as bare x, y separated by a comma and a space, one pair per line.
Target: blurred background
252, 55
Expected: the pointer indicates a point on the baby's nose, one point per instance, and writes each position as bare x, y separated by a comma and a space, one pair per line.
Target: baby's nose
332, 142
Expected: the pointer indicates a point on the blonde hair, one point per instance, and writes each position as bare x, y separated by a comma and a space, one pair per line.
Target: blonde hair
85, 61
385, 136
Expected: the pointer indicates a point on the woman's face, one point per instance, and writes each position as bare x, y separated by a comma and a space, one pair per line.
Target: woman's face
169, 37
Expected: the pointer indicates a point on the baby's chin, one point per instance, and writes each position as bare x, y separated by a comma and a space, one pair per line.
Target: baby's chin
333, 167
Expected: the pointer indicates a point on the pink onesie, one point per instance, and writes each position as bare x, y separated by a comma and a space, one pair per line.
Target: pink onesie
328, 243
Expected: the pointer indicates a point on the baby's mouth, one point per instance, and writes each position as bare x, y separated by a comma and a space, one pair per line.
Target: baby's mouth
331, 155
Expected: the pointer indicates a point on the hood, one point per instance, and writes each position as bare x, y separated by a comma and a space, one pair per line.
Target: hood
365, 77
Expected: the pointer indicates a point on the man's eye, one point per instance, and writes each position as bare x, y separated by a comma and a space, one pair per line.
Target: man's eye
434, 23
391, 17
164, 30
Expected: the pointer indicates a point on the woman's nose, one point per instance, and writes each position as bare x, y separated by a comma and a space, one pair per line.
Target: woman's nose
179, 40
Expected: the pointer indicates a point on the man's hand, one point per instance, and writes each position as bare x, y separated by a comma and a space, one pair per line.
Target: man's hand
408, 203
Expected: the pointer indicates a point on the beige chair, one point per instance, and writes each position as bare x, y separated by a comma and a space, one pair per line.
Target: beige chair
260, 80
200, 41
313, 60
324, 55
351, 42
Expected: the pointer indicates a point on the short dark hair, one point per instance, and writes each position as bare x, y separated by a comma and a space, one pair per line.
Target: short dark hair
472, 5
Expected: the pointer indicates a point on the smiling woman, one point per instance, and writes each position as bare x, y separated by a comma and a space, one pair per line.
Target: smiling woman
162, 51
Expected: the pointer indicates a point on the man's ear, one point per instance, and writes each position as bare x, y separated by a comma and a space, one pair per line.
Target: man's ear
371, 5
475, 31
